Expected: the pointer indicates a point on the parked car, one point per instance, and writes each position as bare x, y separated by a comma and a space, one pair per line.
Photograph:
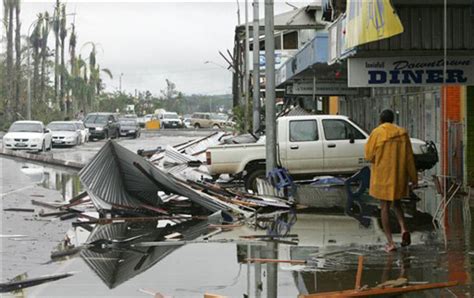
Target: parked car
102, 125
65, 133
28, 135
83, 130
129, 127
307, 146
141, 121
206, 120
170, 120
187, 123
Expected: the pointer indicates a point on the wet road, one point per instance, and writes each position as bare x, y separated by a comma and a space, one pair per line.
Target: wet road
330, 243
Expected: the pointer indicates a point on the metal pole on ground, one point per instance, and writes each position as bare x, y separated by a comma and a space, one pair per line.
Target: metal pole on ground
270, 117
256, 68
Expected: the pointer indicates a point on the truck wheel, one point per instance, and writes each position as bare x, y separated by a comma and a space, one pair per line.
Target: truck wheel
250, 180
197, 126
215, 127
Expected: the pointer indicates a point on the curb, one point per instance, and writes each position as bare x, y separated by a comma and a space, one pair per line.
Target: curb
43, 159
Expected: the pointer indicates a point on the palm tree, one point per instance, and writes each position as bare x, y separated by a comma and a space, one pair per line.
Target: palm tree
72, 54
95, 81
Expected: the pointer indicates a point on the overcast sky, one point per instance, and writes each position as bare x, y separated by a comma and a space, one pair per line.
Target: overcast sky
149, 41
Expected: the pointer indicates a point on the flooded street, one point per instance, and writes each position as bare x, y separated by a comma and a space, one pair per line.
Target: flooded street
207, 259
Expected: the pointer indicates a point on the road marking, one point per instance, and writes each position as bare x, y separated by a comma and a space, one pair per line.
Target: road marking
16, 190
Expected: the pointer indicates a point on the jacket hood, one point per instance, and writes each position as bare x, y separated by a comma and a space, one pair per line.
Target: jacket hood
390, 131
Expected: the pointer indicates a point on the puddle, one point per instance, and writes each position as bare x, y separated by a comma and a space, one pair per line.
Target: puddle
330, 245
65, 181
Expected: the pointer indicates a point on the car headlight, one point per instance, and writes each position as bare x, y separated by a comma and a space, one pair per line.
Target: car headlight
69, 138
36, 140
99, 128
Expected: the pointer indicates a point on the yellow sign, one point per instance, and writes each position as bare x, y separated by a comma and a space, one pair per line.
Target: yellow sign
370, 20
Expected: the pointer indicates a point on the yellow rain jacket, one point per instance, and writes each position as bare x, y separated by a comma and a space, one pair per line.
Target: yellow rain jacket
393, 166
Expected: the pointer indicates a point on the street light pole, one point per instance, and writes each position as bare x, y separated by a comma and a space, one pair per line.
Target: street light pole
120, 82
256, 68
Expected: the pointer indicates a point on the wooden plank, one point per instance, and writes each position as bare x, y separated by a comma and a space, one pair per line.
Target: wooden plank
386, 291
359, 272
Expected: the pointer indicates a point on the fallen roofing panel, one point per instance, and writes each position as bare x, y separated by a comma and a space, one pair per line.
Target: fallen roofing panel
117, 176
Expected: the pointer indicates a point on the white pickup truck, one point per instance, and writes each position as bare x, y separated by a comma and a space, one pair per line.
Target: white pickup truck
306, 146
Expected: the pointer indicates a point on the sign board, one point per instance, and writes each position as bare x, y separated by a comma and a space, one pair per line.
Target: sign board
410, 71
371, 20
321, 88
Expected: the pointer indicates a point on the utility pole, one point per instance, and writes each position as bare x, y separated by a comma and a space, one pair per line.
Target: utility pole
270, 129
256, 68
270, 117
247, 69
120, 83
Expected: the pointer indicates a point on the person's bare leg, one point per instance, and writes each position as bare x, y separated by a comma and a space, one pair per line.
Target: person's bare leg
385, 215
397, 207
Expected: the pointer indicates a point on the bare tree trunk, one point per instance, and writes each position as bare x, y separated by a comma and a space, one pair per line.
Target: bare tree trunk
56, 56
9, 84
44, 56
62, 35
17, 104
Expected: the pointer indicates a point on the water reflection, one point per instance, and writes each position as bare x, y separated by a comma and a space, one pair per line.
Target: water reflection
113, 255
65, 181
329, 245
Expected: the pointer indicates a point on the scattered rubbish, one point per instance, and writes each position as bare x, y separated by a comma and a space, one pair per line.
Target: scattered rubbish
19, 209
13, 236
21, 284
398, 286
387, 291
117, 176
45, 205
153, 293
294, 262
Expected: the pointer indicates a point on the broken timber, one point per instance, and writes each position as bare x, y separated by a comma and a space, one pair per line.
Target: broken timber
386, 291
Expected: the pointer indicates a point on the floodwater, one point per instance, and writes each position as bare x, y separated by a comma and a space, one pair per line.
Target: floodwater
64, 180
329, 243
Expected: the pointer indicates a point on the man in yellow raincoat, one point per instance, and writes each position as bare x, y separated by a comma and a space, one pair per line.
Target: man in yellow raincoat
390, 153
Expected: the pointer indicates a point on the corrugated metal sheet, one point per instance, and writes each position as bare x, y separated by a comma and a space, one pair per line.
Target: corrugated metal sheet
113, 177
116, 266
423, 30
